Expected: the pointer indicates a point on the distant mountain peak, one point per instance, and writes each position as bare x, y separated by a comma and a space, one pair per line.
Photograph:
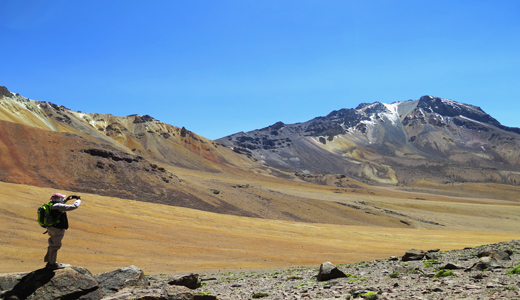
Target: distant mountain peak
450, 108
4, 91
382, 142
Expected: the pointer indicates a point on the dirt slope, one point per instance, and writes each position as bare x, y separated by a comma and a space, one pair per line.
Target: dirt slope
108, 233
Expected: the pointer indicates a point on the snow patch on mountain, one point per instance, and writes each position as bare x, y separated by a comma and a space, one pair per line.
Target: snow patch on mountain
393, 114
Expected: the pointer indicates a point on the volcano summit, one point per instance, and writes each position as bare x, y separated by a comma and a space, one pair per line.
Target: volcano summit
397, 143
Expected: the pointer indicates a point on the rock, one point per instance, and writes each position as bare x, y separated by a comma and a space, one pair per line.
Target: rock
430, 255
9, 280
413, 254
43, 284
4, 91
450, 266
113, 281
159, 292
472, 287
498, 255
191, 281
486, 263
329, 271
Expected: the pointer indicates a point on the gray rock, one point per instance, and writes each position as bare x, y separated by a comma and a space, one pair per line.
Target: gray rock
159, 292
486, 263
413, 254
450, 266
113, 281
191, 281
498, 255
430, 255
43, 284
329, 271
9, 280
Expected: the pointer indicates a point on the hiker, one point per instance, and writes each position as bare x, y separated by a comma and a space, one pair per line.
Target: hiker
57, 231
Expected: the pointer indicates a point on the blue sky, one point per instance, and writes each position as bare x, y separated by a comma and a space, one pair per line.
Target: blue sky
220, 67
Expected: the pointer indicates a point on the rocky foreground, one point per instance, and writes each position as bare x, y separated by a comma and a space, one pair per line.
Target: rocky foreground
484, 272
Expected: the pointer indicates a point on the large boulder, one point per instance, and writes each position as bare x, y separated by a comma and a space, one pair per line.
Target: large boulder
44, 284
329, 271
113, 281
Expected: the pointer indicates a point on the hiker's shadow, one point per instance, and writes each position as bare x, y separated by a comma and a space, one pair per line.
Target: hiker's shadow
29, 284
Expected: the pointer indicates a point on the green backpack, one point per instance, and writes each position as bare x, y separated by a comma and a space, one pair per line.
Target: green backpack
45, 218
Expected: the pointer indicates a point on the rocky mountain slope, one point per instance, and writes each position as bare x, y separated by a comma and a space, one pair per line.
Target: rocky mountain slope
132, 157
398, 143
483, 272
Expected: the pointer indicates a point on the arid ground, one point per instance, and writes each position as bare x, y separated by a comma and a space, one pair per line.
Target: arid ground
108, 233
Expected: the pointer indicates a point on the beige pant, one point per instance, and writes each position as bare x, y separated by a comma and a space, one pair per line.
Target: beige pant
55, 237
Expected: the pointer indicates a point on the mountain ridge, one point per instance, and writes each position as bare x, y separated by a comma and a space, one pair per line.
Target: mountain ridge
376, 142
139, 158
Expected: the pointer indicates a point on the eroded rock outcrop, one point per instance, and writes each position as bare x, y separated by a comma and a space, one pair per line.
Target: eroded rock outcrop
69, 283
74, 282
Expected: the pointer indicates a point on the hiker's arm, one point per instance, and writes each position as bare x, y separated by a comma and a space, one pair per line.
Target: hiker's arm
67, 207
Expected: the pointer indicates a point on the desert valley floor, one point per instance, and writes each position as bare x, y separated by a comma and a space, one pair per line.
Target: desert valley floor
108, 233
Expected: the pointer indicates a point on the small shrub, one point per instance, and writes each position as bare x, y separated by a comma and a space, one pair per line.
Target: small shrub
427, 265
352, 281
515, 270
260, 295
393, 275
294, 278
369, 296
443, 273
363, 279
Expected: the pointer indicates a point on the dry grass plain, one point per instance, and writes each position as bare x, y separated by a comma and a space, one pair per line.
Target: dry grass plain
108, 233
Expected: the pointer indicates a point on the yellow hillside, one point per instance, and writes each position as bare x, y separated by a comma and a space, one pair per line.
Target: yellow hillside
108, 233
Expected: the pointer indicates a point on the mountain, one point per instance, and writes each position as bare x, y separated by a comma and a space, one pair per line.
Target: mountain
306, 172
133, 157
399, 143
140, 158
